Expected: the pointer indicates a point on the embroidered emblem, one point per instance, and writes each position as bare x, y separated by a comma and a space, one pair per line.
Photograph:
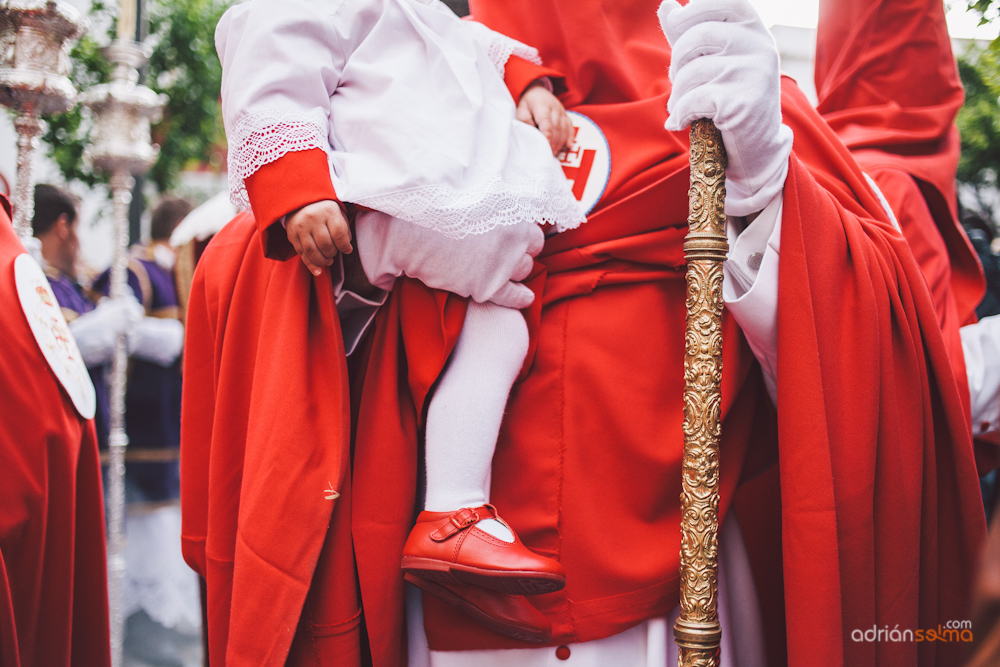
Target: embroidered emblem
52, 334
331, 493
587, 161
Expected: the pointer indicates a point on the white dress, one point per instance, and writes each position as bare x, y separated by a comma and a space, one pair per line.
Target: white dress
407, 100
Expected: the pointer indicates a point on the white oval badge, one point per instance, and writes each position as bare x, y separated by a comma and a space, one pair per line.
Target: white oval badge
52, 334
587, 161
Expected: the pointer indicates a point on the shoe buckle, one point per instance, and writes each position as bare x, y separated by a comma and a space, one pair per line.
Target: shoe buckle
464, 518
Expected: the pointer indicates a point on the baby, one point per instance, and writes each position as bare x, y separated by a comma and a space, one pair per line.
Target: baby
400, 108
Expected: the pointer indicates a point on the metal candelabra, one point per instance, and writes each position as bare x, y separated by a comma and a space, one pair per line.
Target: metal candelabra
121, 146
35, 38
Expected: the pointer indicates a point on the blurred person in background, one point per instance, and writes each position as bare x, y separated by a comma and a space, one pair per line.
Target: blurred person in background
96, 326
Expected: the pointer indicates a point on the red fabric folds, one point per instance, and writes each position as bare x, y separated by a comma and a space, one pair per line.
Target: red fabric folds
53, 565
265, 442
266, 451
889, 87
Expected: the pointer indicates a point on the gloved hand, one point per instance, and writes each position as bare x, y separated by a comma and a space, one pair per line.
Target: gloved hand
157, 340
34, 248
97, 332
725, 67
485, 266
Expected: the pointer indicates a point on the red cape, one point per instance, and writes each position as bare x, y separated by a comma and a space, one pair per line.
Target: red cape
53, 566
889, 87
260, 456
266, 439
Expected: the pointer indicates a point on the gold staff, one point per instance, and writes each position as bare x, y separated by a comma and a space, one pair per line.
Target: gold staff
697, 631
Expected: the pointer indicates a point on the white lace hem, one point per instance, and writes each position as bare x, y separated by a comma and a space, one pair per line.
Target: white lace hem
157, 580
262, 137
546, 199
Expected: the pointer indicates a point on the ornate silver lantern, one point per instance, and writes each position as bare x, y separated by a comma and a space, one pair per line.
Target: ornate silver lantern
120, 146
35, 38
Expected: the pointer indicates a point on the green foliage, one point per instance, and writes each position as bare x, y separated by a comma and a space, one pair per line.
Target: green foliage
183, 65
979, 118
983, 7
68, 134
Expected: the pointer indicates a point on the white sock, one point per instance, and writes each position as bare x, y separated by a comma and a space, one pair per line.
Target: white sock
464, 416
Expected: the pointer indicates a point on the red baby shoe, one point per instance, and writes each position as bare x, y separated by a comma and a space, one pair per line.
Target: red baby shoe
448, 547
508, 615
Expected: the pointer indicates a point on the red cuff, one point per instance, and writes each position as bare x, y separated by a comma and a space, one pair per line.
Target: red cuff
285, 185
519, 73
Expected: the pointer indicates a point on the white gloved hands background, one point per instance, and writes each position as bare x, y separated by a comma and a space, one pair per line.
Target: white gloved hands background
34, 248
157, 340
485, 267
725, 67
97, 332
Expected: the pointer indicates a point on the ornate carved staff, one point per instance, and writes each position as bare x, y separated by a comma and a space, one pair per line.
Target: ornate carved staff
123, 111
35, 37
697, 631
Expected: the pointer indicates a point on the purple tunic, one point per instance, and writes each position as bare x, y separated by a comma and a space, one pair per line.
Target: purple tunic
153, 395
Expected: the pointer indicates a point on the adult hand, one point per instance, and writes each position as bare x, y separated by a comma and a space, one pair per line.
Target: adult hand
157, 340
97, 332
724, 67
539, 107
485, 267
317, 231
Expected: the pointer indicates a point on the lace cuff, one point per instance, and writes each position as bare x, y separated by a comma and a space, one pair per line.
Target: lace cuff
261, 137
499, 48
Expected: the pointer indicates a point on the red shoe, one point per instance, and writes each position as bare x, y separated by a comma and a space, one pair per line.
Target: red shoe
447, 547
508, 615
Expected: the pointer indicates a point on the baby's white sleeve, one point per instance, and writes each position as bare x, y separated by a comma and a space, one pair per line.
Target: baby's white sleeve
281, 62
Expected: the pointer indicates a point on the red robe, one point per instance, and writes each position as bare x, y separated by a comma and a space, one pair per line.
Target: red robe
53, 566
889, 87
880, 516
880, 511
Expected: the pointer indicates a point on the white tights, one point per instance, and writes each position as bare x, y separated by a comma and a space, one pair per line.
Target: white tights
464, 416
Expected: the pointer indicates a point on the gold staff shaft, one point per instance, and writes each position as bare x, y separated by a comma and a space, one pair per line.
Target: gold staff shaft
697, 631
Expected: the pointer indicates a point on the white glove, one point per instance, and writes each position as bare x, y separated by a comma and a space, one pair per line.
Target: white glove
725, 67
97, 332
485, 266
157, 340
34, 248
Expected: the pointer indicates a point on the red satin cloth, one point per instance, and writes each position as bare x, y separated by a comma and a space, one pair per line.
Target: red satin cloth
265, 433
889, 87
53, 566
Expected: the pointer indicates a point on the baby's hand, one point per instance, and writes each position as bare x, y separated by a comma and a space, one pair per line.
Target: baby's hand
542, 109
317, 231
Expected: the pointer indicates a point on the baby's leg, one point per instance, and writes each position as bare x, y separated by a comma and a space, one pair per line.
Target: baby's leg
463, 420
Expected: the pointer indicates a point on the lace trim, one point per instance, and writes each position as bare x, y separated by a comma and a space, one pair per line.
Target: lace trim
157, 580
545, 199
499, 48
261, 137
